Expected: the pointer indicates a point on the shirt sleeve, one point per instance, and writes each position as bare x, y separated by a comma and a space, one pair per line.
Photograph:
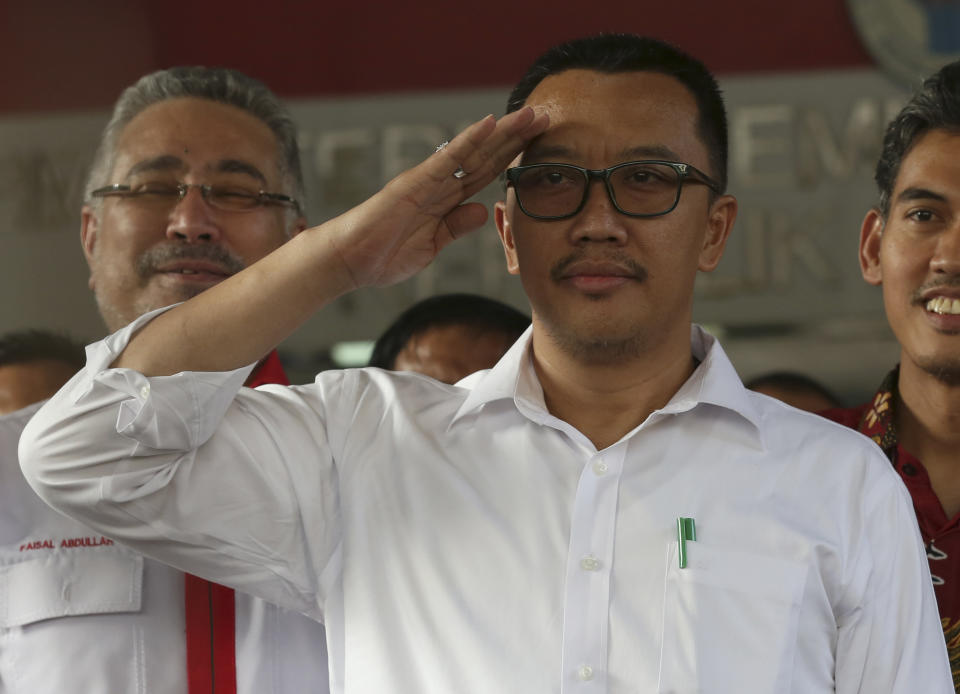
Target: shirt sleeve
891, 641
232, 484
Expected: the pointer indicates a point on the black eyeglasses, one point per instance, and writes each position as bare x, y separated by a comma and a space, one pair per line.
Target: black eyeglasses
636, 188
227, 198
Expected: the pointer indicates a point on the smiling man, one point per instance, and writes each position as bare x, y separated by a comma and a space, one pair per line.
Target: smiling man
196, 177
910, 247
178, 199
607, 509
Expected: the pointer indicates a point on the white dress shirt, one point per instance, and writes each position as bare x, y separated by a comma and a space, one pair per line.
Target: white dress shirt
462, 539
80, 614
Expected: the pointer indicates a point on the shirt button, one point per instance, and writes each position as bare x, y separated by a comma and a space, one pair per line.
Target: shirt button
909, 470
600, 468
585, 673
144, 392
589, 563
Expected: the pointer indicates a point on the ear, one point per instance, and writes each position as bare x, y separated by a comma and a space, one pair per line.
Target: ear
871, 234
505, 231
723, 212
89, 225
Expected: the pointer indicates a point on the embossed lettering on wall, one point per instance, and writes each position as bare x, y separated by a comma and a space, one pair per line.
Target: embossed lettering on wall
802, 154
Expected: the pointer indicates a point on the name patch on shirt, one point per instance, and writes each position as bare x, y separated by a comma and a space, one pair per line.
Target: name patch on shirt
67, 543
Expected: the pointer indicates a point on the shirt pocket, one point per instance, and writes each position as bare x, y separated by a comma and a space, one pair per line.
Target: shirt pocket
70, 584
730, 622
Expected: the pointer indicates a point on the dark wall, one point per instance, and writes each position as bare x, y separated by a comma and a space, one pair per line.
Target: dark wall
65, 54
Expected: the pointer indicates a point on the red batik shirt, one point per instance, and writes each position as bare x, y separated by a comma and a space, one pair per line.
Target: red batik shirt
941, 535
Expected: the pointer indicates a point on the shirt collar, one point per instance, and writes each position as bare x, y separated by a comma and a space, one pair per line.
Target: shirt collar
269, 370
502, 381
878, 421
713, 382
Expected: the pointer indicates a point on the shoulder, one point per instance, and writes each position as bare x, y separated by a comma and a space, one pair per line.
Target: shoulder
831, 448
792, 424
13, 423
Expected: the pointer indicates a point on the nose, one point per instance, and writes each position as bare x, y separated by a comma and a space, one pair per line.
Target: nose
193, 220
946, 258
599, 219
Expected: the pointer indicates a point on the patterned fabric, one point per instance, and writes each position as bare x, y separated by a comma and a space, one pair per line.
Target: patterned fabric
941, 535
877, 420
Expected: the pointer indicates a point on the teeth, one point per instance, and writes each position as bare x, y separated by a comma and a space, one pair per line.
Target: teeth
944, 305
188, 272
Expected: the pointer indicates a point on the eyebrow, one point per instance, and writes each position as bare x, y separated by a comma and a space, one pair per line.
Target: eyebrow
166, 162
920, 194
629, 154
169, 162
239, 166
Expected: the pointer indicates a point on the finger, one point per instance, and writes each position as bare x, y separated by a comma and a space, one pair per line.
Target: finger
489, 161
483, 152
449, 156
466, 218
461, 221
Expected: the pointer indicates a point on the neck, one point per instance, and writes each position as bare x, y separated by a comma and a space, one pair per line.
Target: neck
928, 415
606, 399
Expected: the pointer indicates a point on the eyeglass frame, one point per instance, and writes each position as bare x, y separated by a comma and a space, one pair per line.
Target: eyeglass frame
261, 198
685, 172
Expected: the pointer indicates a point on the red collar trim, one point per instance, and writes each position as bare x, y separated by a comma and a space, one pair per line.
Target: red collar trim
270, 370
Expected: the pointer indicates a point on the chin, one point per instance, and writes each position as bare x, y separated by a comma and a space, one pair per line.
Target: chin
945, 370
600, 346
171, 296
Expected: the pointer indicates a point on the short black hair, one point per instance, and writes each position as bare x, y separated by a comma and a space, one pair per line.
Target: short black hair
793, 382
446, 309
936, 106
615, 53
27, 346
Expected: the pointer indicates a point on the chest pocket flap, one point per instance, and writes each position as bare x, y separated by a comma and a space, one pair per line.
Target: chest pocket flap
66, 584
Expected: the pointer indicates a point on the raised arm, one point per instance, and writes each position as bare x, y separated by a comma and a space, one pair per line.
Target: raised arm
385, 240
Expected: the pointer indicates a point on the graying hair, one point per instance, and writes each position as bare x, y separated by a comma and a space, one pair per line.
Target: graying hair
216, 84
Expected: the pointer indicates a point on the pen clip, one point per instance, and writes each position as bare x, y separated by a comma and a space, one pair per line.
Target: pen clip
686, 530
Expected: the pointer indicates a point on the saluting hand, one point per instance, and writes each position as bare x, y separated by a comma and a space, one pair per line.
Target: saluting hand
401, 229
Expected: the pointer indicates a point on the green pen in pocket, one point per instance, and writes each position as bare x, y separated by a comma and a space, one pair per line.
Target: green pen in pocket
686, 530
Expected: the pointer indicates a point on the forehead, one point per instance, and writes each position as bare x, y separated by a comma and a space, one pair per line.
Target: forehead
612, 116
200, 134
933, 163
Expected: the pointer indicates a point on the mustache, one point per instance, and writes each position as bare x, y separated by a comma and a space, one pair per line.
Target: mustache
952, 281
559, 269
154, 257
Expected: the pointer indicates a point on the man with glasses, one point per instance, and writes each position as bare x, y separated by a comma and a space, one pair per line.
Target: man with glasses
197, 176
606, 510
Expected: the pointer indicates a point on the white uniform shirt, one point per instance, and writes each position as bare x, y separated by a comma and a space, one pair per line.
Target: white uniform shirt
464, 540
82, 615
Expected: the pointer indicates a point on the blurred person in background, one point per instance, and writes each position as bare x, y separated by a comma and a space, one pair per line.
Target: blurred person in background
449, 336
197, 176
795, 389
33, 366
